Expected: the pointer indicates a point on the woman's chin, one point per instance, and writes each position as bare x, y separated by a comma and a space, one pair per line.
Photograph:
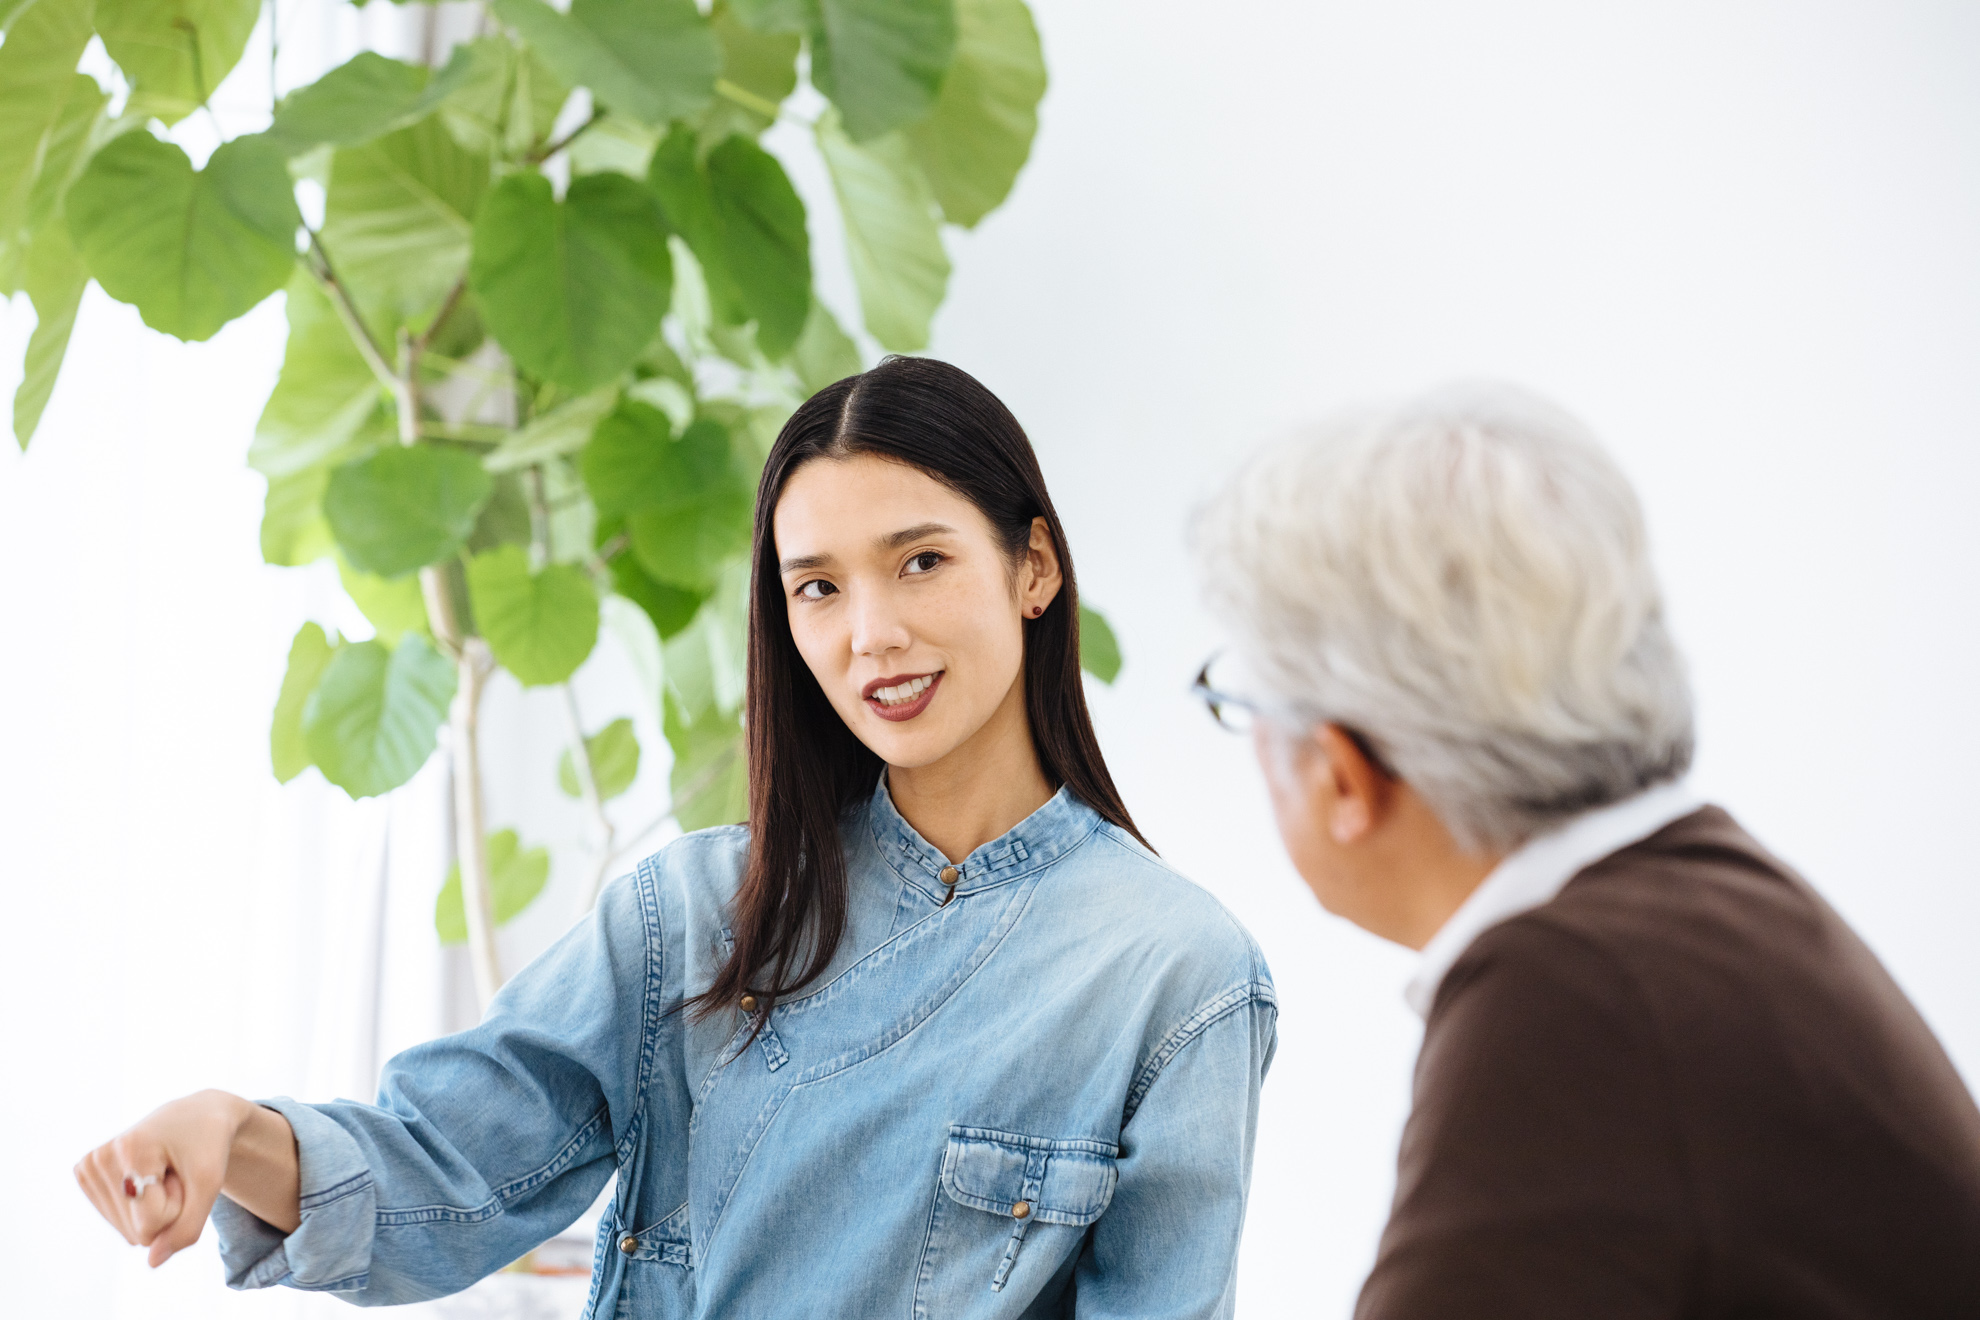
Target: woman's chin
910, 745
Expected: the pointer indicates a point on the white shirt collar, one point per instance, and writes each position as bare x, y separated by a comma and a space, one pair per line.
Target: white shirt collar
1537, 870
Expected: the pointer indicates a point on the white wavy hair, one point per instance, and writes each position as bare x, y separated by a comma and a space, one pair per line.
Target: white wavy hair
1463, 579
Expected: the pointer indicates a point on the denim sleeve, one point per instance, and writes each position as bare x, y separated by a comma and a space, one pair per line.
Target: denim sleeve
1167, 1245
482, 1144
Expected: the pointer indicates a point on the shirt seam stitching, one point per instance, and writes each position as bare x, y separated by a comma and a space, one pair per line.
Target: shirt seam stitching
1191, 1029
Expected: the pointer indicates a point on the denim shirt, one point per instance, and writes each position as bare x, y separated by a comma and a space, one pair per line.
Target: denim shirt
1036, 1096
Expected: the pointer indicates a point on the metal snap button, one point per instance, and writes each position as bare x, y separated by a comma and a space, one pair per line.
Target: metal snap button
1021, 1210
950, 875
748, 1003
629, 1244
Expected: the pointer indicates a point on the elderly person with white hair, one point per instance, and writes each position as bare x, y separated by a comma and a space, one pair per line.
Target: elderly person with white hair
1660, 1077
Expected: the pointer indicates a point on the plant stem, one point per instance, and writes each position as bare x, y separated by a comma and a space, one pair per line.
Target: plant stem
747, 99
473, 663
470, 824
550, 149
347, 312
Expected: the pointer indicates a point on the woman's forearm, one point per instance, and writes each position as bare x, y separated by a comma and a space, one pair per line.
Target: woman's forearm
263, 1175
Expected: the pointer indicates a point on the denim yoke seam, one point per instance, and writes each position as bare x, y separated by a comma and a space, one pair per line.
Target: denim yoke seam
899, 1031
1233, 999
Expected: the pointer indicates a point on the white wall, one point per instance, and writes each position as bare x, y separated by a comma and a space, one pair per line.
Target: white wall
1738, 239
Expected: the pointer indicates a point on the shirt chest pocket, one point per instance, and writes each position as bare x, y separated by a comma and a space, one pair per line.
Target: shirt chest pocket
999, 1191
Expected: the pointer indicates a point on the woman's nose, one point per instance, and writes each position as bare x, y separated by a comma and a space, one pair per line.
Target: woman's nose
877, 627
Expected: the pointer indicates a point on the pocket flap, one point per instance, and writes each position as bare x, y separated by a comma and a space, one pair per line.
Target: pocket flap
1060, 1182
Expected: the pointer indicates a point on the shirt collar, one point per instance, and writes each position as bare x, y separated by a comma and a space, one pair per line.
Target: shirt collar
1044, 836
1537, 870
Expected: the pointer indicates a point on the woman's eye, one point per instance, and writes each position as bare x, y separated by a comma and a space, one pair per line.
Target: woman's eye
925, 562
816, 589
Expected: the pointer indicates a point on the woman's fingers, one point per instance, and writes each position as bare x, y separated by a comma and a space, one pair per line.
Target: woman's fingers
108, 1200
145, 1166
188, 1218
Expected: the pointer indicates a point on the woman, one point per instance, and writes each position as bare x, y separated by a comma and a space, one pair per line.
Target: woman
935, 1036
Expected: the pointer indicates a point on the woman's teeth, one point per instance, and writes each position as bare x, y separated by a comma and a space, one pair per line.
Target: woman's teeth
906, 692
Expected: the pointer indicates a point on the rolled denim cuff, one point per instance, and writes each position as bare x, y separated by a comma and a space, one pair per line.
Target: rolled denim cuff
330, 1251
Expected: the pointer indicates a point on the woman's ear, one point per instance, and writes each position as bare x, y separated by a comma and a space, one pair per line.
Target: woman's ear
1039, 574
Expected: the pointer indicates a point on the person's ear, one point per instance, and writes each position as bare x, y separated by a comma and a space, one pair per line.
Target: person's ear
1039, 573
1359, 793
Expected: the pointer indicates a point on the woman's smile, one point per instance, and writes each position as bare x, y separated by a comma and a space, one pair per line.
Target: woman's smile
901, 697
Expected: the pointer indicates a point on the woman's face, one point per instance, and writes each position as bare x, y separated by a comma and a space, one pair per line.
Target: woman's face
904, 605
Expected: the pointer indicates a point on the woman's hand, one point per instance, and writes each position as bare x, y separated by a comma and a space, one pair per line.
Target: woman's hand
182, 1156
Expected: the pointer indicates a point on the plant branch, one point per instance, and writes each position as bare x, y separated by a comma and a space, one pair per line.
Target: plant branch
613, 548
749, 100
446, 310
347, 312
539, 518
549, 149
472, 433
470, 826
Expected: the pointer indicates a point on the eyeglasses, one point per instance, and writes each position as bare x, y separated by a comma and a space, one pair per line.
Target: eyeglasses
1240, 715
1233, 713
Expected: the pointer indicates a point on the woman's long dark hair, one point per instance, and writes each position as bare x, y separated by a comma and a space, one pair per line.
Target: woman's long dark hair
806, 768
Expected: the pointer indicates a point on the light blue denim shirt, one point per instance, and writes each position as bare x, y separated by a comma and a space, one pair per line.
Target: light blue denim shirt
1036, 1099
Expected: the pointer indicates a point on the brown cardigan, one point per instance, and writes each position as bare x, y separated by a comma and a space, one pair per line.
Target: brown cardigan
1683, 1088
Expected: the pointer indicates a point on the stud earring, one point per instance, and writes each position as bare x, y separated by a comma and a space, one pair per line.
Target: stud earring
1037, 610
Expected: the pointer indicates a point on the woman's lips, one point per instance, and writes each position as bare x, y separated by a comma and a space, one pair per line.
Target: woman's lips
902, 710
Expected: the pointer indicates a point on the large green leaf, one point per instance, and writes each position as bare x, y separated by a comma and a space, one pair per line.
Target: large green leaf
670, 608
710, 779
38, 86
516, 876
309, 656
679, 179
363, 98
1099, 653
573, 289
762, 238
56, 278
376, 712
405, 507
293, 529
394, 606
191, 250
977, 138
398, 222
824, 353
41, 97
540, 625
882, 61
175, 52
686, 501
630, 460
892, 237
507, 99
654, 60
327, 404
614, 755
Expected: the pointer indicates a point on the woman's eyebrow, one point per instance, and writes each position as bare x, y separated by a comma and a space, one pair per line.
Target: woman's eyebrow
890, 541
895, 540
